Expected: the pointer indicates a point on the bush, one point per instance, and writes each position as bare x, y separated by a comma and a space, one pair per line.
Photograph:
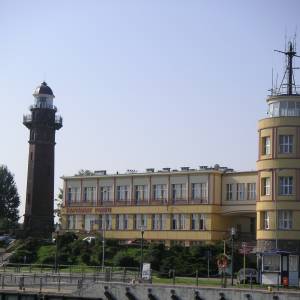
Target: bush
123, 259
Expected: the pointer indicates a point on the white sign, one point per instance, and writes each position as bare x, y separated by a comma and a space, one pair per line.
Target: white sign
146, 272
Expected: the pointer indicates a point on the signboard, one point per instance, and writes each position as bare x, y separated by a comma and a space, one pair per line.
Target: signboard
102, 210
79, 210
245, 249
146, 272
88, 210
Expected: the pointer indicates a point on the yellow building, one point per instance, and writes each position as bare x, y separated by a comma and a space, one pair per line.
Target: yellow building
200, 205
186, 206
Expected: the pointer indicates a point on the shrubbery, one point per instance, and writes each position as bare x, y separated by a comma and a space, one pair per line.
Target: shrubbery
75, 251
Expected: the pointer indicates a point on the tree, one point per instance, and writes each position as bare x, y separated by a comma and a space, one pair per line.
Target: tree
59, 203
84, 173
9, 199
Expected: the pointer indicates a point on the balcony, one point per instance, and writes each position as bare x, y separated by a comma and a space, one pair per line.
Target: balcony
58, 122
43, 106
27, 120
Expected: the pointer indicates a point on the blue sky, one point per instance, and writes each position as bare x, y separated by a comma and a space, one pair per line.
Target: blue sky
141, 83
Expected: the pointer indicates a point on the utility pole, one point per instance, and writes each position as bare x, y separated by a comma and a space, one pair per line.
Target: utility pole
233, 232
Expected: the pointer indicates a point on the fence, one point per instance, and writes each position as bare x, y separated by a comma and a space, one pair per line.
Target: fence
62, 278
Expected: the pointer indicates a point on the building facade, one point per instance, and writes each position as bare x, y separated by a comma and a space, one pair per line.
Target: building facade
199, 205
187, 206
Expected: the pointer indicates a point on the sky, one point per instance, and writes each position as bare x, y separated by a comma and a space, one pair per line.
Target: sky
139, 83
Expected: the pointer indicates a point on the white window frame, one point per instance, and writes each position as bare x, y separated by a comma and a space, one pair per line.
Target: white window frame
198, 222
73, 194
286, 144
89, 194
178, 191
286, 185
285, 219
140, 220
229, 191
122, 193
266, 186
160, 192
251, 191
141, 193
199, 191
105, 192
240, 191
266, 145
266, 220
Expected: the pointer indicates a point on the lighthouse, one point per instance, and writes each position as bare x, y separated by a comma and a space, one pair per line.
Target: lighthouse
42, 123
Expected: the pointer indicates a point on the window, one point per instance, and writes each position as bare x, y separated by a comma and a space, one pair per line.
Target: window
89, 221
266, 145
285, 144
285, 219
106, 222
139, 220
229, 194
73, 194
271, 263
293, 263
285, 185
122, 193
198, 222
240, 191
158, 221
160, 192
105, 193
71, 222
178, 221
89, 194
266, 220
251, 188
199, 191
122, 222
178, 191
141, 192
266, 186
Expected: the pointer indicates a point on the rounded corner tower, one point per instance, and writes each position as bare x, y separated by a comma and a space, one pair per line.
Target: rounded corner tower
278, 166
42, 123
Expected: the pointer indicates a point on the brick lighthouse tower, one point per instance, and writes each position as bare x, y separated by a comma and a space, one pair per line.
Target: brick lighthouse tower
42, 123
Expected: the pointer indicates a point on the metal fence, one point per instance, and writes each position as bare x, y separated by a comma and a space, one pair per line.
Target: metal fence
62, 278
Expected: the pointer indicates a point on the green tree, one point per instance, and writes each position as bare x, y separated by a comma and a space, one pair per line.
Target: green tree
9, 199
59, 202
83, 172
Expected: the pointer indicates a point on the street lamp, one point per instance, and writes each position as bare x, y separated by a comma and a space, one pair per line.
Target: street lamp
142, 228
233, 233
103, 241
56, 247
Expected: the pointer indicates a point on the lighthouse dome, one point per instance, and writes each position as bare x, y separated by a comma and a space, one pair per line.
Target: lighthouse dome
43, 89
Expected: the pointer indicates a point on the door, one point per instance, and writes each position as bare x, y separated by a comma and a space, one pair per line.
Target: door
284, 269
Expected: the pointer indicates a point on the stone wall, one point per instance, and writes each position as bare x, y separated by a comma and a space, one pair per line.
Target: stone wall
120, 291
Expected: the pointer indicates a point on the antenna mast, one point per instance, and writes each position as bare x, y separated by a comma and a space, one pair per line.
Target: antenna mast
289, 75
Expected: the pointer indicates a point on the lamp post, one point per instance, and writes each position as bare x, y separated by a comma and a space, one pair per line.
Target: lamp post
232, 232
142, 249
56, 247
103, 242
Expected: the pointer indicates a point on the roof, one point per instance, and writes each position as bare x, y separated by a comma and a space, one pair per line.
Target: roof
43, 89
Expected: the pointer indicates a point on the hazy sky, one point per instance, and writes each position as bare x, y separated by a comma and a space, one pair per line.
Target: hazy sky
141, 83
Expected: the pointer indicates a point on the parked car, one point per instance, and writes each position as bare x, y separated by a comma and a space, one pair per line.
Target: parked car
251, 275
89, 239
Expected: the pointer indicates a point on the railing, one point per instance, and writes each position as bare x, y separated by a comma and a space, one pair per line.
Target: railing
27, 118
58, 121
134, 202
44, 105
